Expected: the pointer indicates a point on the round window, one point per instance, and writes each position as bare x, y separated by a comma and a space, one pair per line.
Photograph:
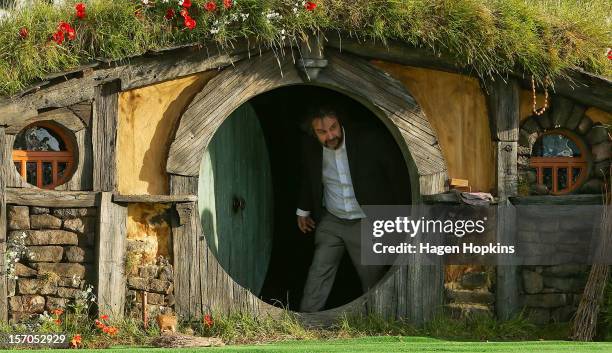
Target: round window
560, 162
43, 155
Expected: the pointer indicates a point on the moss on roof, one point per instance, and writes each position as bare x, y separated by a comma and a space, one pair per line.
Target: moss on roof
536, 37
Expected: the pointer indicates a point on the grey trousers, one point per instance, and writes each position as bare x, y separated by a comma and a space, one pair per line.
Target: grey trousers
332, 235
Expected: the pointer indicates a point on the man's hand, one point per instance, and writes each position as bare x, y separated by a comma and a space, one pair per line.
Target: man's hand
306, 224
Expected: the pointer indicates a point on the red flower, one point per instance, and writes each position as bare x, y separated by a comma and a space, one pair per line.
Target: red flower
210, 6
169, 14
58, 322
310, 5
63, 26
23, 32
227, 3
186, 4
71, 33
58, 37
138, 13
99, 324
184, 13
111, 330
80, 10
76, 340
208, 321
189, 22
610, 54
57, 312
104, 317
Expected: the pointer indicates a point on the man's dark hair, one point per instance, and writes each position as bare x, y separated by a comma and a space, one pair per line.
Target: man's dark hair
319, 112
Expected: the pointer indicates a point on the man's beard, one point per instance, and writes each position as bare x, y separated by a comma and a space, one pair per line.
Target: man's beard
330, 143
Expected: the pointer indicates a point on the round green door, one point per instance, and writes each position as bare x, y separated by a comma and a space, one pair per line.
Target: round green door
235, 198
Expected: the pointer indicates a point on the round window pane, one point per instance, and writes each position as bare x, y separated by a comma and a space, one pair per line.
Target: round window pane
555, 145
38, 138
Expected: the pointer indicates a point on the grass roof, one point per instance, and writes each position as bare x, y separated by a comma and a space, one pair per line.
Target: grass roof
537, 37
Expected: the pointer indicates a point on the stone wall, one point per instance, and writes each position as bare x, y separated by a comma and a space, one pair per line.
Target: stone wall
469, 292
552, 293
156, 280
51, 251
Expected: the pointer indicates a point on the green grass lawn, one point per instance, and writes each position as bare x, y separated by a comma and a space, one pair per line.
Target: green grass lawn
391, 344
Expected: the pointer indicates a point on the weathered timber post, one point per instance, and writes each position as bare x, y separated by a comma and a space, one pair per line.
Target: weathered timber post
503, 106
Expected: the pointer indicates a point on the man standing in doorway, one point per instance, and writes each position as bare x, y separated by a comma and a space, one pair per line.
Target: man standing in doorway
343, 167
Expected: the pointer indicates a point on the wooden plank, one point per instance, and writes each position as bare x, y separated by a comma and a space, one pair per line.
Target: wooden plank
507, 283
63, 116
50, 198
3, 230
503, 106
558, 200
104, 137
507, 173
110, 252
83, 111
154, 198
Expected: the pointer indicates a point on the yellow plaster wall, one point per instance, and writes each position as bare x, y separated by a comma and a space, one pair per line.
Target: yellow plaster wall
599, 116
148, 117
148, 233
456, 108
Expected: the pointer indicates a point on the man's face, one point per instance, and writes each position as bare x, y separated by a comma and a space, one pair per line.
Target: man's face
328, 131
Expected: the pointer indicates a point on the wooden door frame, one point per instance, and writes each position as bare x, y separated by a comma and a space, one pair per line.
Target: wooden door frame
202, 285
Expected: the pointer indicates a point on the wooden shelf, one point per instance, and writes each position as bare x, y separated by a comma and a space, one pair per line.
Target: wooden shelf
154, 198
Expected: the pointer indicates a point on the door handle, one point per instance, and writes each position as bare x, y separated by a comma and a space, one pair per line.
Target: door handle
238, 204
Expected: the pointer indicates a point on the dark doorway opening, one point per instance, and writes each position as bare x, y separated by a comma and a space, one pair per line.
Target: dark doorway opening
279, 112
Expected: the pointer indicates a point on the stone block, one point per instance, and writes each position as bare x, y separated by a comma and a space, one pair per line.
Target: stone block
36, 286
27, 303
18, 217
549, 300
472, 311
138, 283
565, 284
22, 270
532, 282
70, 293
473, 280
81, 225
592, 186
149, 271
602, 151
62, 269
584, 125
67, 213
597, 134
159, 286
78, 254
73, 282
39, 210
152, 298
52, 253
166, 273
565, 270
469, 296
46, 237
45, 221
55, 303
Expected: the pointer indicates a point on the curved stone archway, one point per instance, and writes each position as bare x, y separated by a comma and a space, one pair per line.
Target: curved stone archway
412, 292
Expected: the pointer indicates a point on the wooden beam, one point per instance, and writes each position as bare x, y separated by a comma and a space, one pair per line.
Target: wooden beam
50, 198
3, 230
585, 199
104, 136
507, 277
154, 198
110, 252
507, 172
503, 107
63, 116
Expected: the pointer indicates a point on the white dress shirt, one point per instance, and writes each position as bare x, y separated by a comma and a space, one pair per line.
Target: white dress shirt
338, 193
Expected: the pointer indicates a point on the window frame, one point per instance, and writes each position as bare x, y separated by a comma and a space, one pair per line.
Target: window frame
556, 163
54, 157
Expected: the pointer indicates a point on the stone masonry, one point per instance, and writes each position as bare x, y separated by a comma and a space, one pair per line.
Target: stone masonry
51, 251
156, 280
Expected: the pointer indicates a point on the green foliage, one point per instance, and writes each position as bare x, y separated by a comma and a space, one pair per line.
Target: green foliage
540, 37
